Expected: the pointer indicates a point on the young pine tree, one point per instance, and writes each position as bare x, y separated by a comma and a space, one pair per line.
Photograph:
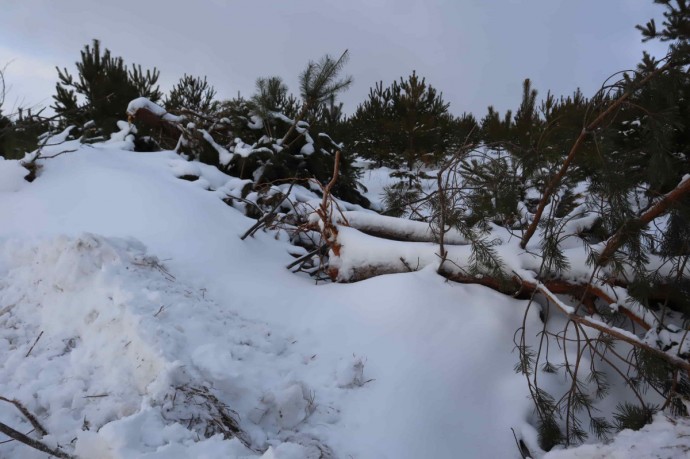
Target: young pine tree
103, 88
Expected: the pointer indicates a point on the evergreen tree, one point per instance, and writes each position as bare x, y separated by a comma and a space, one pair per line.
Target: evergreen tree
21, 135
526, 123
192, 93
318, 83
496, 130
106, 86
402, 124
5, 130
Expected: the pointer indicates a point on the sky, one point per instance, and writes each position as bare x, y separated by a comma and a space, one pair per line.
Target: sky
476, 52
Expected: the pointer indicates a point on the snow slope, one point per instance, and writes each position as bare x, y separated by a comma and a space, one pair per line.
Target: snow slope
132, 316
399, 366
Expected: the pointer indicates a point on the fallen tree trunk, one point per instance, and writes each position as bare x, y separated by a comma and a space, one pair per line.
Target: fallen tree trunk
397, 229
360, 257
167, 130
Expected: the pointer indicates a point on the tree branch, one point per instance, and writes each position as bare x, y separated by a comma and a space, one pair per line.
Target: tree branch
644, 219
556, 180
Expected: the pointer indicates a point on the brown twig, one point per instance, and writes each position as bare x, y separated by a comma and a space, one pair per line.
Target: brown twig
20, 437
33, 345
614, 332
27, 414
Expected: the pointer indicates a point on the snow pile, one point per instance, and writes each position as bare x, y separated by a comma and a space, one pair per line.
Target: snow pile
107, 345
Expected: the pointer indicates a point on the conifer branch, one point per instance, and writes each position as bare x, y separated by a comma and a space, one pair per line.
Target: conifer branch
598, 121
644, 219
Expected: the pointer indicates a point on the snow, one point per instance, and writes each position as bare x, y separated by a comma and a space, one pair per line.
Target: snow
377, 179
405, 229
243, 149
664, 438
128, 304
224, 156
307, 149
11, 176
142, 287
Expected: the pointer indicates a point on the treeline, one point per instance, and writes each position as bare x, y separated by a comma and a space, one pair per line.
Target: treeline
275, 136
403, 125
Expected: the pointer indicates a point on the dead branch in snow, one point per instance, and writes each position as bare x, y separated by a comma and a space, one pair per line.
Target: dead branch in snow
23, 438
327, 227
27, 414
269, 216
33, 345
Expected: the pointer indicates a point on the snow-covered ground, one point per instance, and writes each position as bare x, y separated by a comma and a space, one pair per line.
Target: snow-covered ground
134, 322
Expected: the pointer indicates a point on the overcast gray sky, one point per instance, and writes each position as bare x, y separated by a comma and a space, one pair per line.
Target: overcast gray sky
477, 52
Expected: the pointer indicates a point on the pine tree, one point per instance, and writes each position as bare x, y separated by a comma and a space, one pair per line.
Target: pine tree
5, 131
192, 93
319, 81
496, 130
403, 124
20, 135
527, 123
106, 85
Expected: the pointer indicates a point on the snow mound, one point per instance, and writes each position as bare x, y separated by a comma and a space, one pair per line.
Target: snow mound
146, 104
402, 366
101, 339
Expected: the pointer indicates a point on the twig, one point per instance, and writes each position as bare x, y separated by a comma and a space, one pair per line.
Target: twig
306, 257
27, 414
20, 437
650, 214
614, 332
33, 345
56, 154
524, 451
267, 216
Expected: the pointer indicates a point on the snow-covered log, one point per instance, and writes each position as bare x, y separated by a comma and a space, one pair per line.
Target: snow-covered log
146, 113
399, 229
360, 256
